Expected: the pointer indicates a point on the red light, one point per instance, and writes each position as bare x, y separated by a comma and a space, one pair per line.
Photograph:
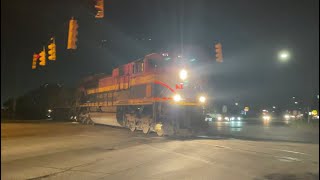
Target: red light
179, 86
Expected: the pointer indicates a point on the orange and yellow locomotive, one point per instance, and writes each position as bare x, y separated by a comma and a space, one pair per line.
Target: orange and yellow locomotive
157, 93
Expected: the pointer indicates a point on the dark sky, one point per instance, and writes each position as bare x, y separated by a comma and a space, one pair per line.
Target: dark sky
251, 32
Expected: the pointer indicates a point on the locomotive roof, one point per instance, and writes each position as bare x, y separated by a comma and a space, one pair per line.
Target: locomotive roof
104, 75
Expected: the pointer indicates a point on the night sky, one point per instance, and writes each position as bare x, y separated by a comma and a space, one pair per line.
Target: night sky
251, 32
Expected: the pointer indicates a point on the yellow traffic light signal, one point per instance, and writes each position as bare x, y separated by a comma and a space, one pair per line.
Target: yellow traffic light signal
34, 60
100, 8
218, 48
73, 33
52, 50
42, 58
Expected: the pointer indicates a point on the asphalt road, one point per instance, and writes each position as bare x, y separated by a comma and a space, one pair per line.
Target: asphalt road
74, 151
267, 130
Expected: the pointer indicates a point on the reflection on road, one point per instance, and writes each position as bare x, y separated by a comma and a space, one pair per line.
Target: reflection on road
219, 125
236, 125
266, 123
286, 121
272, 129
232, 125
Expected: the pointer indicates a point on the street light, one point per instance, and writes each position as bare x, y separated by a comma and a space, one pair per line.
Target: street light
284, 56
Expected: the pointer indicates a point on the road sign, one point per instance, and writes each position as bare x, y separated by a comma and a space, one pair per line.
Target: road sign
246, 109
224, 109
314, 112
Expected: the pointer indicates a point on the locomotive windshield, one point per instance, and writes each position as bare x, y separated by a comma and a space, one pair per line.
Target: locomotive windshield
159, 63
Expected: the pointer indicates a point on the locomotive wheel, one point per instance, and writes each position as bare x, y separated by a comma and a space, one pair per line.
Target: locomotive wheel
76, 118
146, 125
159, 130
88, 120
145, 128
132, 126
83, 119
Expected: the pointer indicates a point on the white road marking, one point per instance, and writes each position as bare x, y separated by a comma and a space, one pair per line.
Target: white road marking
203, 136
89, 136
283, 150
181, 154
295, 152
222, 146
213, 145
287, 159
281, 158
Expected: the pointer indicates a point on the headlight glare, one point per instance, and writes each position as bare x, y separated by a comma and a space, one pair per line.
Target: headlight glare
202, 99
183, 74
177, 98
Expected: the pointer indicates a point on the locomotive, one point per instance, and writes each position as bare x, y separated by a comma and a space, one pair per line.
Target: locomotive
158, 93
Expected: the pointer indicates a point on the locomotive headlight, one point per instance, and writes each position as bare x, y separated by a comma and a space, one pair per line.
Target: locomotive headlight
183, 74
202, 99
177, 98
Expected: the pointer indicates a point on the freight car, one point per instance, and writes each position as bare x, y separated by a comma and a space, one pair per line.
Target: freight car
157, 93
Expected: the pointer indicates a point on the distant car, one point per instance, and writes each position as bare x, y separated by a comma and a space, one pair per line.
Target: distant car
235, 118
229, 117
220, 117
213, 117
208, 118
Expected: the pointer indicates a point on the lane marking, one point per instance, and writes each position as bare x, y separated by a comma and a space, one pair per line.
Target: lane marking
219, 146
222, 146
202, 160
294, 152
287, 158
283, 150
280, 158
89, 135
180, 154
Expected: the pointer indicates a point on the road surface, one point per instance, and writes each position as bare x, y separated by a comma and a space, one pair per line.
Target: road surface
273, 130
73, 151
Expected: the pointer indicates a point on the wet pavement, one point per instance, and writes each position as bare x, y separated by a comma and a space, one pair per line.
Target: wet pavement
272, 130
74, 151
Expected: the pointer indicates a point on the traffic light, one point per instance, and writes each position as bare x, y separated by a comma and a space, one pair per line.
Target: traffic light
34, 60
52, 50
73, 33
100, 8
42, 58
219, 57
